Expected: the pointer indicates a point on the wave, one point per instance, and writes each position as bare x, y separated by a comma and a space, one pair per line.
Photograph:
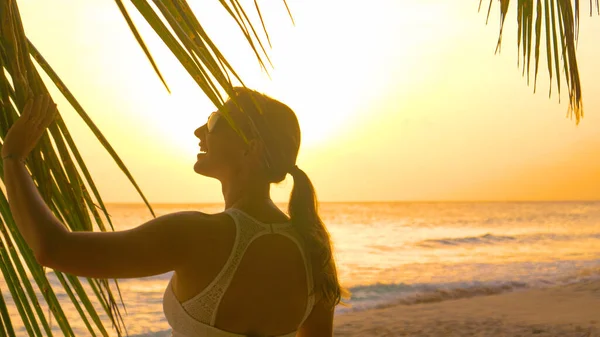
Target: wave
385, 295
471, 240
491, 239
164, 333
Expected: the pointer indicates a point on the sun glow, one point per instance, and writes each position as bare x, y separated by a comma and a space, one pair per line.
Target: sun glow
406, 97
326, 90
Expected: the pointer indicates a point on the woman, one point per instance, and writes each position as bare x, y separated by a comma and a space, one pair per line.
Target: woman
249, 271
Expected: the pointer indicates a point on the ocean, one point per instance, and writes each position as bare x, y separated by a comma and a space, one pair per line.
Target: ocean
401, 253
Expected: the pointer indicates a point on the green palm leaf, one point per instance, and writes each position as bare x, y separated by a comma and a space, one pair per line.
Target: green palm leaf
560, 28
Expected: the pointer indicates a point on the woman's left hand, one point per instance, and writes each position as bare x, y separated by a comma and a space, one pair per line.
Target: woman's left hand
24, 134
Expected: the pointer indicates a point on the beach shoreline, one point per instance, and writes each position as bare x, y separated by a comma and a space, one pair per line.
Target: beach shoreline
569, 310
560, 311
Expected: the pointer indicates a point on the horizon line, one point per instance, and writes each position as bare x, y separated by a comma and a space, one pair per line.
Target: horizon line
372, 201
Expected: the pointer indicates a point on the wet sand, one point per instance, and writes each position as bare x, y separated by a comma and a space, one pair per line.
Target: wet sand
572, 310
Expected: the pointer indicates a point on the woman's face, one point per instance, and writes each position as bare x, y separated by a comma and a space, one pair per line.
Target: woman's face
222, 151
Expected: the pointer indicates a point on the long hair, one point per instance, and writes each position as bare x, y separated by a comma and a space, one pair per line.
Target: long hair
276, 125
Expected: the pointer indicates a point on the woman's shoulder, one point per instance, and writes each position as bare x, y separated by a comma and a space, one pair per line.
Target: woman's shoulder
199, 218
209, 226
205, 235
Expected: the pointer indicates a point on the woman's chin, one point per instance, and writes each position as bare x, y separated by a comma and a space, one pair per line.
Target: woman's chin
201, 164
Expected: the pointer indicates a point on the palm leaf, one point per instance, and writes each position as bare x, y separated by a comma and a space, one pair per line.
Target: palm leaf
197, 52
24, 81
139, 39
560, 28
5, 322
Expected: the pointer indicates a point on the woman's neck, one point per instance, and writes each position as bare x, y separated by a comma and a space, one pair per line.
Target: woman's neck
245, 194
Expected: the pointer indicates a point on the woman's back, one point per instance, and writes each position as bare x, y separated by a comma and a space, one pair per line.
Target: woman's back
261, 288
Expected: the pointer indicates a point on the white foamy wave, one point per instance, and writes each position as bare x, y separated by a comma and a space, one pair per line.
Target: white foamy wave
164, 333
491, 239
383, 295
473, 240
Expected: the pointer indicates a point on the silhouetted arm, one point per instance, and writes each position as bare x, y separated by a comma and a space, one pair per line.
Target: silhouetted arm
158, 246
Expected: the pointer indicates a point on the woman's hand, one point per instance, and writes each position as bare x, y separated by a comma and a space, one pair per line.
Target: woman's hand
24, 134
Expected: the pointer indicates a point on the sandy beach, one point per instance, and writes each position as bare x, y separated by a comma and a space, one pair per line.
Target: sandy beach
572, 310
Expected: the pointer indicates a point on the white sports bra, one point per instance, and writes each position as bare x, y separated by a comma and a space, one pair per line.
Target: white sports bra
196, 317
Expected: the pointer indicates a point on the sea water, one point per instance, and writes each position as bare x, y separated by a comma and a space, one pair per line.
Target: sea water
397, 253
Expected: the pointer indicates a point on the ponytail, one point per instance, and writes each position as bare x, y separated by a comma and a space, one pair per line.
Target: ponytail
303, 211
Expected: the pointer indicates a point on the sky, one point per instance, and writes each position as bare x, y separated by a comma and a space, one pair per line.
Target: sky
397, 101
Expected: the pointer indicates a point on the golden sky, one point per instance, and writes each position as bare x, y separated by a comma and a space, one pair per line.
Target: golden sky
397, 100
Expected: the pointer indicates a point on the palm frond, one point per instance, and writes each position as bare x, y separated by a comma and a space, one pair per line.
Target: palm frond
183, 34
560, 28
61, 186
140, 41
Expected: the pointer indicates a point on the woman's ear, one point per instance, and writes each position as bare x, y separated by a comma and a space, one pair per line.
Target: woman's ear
255, 152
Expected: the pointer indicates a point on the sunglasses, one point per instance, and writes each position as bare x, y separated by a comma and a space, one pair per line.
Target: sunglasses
212, 121
211, 124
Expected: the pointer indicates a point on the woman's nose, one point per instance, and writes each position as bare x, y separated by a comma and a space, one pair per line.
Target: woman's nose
199, 131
